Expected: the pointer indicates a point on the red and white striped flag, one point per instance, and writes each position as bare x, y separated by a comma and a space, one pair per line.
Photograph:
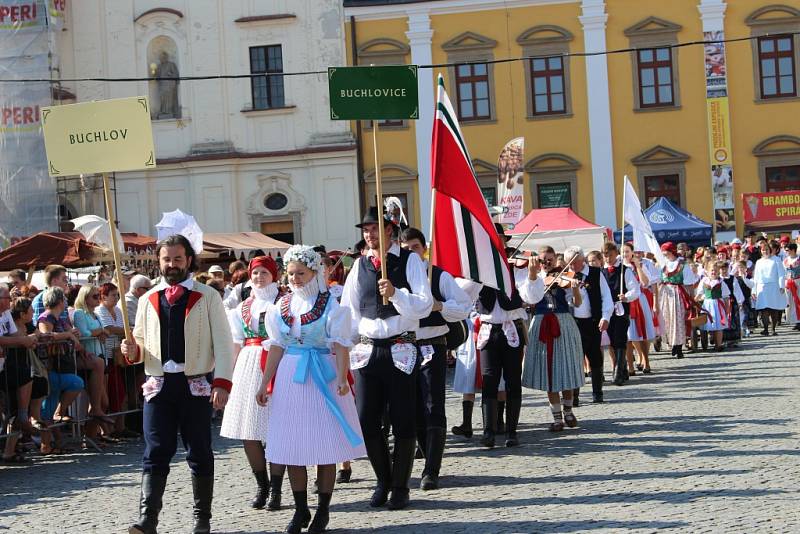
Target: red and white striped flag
465, 242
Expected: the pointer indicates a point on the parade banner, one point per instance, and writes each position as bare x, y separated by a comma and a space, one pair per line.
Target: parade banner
373, 93
775, 207
95, 137
510, 183
719, 136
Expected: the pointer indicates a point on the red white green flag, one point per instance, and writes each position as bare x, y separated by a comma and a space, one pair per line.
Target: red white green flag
465, 242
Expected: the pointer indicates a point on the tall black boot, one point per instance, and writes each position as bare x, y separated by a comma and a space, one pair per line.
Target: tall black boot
402, 464
422, 440
489, 409
513, 407
275, 490
621, 365
151, 501
437, 437
301, 515
575, 395
597, 384
378, 453
501, 412
262, 490
322, 517
203, 489
465, 428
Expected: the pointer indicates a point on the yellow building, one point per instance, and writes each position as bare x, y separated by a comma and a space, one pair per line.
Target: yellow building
637, 104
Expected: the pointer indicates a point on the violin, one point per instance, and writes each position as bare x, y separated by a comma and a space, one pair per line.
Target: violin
562, 279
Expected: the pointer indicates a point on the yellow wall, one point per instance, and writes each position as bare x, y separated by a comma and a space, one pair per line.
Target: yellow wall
684, 129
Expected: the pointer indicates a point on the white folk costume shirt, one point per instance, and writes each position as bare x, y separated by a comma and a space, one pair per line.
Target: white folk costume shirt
264, 298
531, 293
337, 325
235, 297
651, 270
711, 283
171, 366
456, 307
631, 285
737, 290
584, 311
411, 306
768, 276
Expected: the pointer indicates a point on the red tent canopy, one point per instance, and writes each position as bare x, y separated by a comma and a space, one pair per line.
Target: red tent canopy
69, 249
551, 219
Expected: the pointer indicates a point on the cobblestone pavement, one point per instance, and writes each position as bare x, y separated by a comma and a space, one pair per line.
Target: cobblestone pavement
704, 444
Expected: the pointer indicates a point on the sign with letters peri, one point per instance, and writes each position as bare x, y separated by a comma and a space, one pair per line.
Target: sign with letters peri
96, 137
386, 92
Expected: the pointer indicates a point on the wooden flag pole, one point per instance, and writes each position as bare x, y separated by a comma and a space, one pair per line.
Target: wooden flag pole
430, 236
115, 250
379, 202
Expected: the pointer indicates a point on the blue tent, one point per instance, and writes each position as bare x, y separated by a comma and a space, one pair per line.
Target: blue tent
673, 223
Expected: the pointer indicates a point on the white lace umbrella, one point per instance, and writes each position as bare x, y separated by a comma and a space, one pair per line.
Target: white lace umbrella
95, 230
178, 222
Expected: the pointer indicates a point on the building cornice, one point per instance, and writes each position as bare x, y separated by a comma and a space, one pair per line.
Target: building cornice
221, 156
712, 13
441, 7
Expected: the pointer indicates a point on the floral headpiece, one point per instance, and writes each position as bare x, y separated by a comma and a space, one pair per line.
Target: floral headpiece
305, 255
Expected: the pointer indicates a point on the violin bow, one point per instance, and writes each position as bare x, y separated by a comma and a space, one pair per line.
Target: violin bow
559, 274
514, 253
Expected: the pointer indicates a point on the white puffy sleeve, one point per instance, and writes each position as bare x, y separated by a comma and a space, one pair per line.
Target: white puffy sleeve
277, 330
338, 327
235, 322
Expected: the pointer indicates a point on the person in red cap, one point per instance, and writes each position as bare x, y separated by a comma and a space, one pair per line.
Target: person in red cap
674, 301
244, 419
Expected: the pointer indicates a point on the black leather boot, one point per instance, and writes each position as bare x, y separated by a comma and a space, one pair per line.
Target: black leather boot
275, 488
322, 517
501, 411
576, 397
301, 515
465, 428
378, 453
437, 437
262, 490
597, 384
621, 365
489, 409
203, 489
513, 407
402, 464
151, 501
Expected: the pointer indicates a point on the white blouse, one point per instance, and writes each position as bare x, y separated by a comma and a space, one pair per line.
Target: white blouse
337, 328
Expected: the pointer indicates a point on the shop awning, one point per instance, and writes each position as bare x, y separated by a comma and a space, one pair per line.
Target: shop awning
559, 228
778, 210
239, 243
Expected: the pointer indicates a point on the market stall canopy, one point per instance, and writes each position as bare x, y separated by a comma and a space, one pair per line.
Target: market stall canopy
777, 210
69, 249
673, 223
558, 227
239, 243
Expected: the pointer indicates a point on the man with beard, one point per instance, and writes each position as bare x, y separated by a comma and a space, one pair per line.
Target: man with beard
181, 334
386, 361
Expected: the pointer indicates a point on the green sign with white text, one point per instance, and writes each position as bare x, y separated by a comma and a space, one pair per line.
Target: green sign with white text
373, 93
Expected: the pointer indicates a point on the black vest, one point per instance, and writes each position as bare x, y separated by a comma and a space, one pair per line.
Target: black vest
488, 296
435, 318
246, 290
592, 281
370, 301
615, 283
554, 301
729, 282
171, 319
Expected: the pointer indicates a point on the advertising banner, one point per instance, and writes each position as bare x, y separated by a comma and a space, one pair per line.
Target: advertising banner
510, 183
771, 209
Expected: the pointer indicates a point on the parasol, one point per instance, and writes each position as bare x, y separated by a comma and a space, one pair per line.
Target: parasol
178, 222
96, 230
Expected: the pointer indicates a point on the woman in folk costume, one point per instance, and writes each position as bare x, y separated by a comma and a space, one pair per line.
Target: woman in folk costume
713, 292
768, 275
554, 356
791, 264
313, 419
244, 419
641, 329
733, 332
674, 301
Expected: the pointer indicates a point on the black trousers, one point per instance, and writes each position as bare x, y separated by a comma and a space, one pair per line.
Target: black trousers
174, 408
431, 390
380, 385
618, 330
591, 339
499, 360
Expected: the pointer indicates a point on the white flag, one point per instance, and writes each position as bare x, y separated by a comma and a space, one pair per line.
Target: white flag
643, 238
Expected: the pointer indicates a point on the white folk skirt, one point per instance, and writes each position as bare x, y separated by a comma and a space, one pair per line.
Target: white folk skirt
244, 418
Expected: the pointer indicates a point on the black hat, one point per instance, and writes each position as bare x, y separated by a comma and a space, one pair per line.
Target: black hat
501, 231
371, 217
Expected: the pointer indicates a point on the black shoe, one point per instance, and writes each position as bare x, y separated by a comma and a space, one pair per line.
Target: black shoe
302, 516
343, 476
378, 453
262, 492
489, 409
275, 487
575, 400
151, 499
796, 326
462, 430
436, 437
597, 399
320, 522
513, 408
512, 440
465, 428
203, 490
765, 332
399, 499
402, 464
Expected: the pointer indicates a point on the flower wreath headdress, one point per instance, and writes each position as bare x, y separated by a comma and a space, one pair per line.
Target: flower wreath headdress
310, 258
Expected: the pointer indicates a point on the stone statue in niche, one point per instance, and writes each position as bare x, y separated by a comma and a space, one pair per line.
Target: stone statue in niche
167, 89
